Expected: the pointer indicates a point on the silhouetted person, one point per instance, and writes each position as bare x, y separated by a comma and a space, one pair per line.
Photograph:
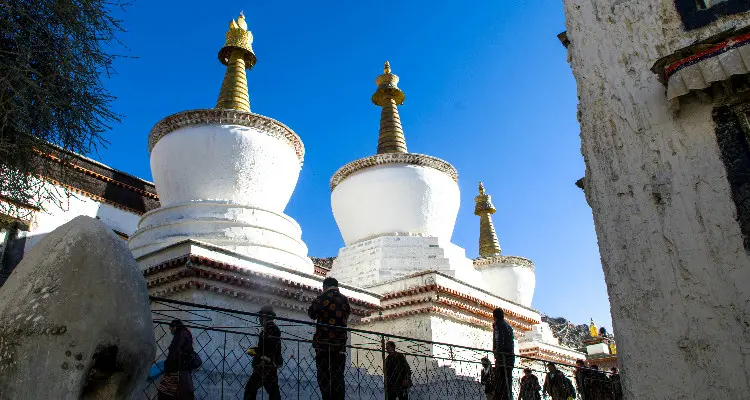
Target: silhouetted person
599, 386
616, 384
556, 385
529, 386
581, 376
487, 379
267, 358
177, 381
504, 350
397, 374
330, 308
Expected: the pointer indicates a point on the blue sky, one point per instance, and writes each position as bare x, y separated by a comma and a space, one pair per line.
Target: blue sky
487, 88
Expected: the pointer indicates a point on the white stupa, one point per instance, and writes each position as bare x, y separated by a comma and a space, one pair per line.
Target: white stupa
510, 277
225, 175
396, 210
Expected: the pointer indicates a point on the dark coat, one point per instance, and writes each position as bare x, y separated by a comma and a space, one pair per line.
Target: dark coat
269, 346
502, 338
487, 379
180, 347
616, 386
330, 308
397, 370
177, 383
557, 386
530, 388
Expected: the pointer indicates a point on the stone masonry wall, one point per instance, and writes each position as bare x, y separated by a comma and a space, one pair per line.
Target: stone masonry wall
672, 251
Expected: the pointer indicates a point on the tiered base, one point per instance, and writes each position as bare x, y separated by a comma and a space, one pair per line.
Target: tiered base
385, 258
263, 235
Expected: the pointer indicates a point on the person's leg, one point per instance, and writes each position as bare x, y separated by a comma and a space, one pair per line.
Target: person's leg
501, 378
338, 367
322, 361
271, 383
253, 384
510, 362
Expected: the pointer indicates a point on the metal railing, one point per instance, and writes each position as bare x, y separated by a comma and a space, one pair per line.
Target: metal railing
222, 336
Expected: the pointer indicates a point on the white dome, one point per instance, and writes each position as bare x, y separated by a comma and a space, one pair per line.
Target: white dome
509, 277
244, 165
224, 177
395, 194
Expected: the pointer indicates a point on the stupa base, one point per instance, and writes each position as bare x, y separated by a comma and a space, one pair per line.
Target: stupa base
260, 234
373, 261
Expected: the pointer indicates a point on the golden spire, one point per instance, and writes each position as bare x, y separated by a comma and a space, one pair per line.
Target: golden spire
237, 54
488, 244
592, 329
391, 138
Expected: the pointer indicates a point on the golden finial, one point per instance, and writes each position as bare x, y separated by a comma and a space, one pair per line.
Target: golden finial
388, 96
592, 329
241, 20
489, 246
237, 54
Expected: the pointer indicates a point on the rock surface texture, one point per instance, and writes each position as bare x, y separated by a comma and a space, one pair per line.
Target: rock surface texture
677, 272
75, 320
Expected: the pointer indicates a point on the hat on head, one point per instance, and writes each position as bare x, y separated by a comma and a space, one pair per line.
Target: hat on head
267, 310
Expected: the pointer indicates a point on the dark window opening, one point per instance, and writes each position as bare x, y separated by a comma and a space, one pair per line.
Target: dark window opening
733, 138
698, 13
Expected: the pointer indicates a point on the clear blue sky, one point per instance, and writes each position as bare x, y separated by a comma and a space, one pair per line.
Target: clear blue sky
487, 88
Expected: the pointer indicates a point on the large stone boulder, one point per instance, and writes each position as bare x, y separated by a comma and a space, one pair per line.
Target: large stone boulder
75, 319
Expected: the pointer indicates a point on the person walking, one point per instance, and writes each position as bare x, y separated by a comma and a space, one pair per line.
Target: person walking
330, 310
504, 349
556, 385
616, 384
487, 379
397, 374
581, 375
267, 358
599, 385
529, 386
177, 381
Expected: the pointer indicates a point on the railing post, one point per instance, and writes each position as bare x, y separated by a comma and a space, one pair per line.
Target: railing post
299, 382
385, 374
223, 362
359, 375
427, 376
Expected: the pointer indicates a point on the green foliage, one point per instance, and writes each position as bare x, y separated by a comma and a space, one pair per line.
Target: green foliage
53, 56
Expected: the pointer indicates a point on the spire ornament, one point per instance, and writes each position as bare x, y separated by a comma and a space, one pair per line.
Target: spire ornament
388, 96
592, 329
488, 243
237, 54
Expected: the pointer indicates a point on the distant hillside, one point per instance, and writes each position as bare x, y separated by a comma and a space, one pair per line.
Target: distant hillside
569, 334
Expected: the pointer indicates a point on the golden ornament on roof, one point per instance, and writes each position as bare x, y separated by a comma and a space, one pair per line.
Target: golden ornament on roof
237, 54
489, 246
391, 136
592, 329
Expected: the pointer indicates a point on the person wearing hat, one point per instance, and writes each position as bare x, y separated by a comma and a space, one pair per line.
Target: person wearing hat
267, 358
177, 382
330, 310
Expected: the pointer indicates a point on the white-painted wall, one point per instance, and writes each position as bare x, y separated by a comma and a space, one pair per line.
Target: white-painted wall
71, 206
395, 198
676, 270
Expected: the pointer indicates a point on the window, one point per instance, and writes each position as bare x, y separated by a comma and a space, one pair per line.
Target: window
698, 13
733, 138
